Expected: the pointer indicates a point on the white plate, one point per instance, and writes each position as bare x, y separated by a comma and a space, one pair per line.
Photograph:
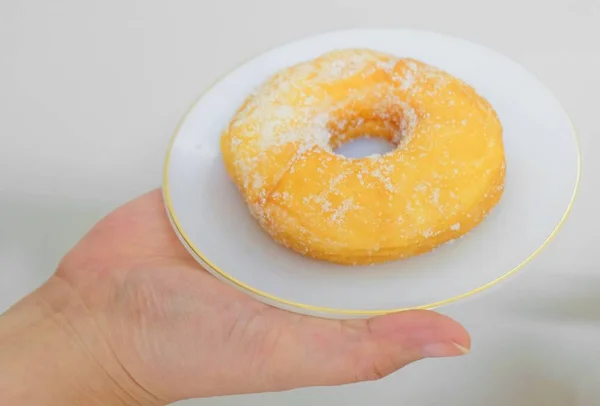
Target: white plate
543, 168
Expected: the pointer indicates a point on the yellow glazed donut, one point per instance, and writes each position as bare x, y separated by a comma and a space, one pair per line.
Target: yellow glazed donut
444, 176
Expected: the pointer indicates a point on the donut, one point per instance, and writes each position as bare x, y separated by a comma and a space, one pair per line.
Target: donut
442, 179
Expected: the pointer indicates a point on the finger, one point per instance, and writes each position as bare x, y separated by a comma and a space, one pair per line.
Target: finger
334, 353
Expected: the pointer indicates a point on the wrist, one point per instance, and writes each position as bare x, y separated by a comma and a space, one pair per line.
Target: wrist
54, 355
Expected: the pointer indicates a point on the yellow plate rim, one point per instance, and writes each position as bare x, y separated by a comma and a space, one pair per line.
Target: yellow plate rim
349, 312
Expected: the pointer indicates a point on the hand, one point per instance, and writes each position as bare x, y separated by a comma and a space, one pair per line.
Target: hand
163, 329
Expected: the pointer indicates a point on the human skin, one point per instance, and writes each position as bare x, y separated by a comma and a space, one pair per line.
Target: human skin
129, 318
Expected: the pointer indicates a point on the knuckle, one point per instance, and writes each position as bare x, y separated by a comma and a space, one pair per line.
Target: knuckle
378, 368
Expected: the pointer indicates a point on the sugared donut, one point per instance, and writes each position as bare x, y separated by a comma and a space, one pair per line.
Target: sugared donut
445, 175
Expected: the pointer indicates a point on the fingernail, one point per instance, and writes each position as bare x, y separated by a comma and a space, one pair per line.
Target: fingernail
449, 349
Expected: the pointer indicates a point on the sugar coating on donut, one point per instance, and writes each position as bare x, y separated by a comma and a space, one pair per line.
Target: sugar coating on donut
268, 110
312, 105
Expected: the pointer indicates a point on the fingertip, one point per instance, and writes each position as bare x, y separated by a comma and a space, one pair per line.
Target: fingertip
421, 328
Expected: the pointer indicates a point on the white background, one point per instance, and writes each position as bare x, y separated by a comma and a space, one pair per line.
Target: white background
90, 93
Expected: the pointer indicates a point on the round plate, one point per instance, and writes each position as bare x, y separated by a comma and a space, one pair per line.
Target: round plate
213, 222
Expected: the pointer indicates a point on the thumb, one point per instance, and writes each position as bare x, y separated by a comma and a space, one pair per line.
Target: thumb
341, 352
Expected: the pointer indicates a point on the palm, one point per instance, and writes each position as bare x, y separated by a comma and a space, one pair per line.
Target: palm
181, 333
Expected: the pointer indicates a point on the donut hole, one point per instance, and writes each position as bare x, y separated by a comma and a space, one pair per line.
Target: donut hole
364, 146
360, 137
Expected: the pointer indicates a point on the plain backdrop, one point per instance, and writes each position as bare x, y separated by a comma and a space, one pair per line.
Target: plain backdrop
90, 93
